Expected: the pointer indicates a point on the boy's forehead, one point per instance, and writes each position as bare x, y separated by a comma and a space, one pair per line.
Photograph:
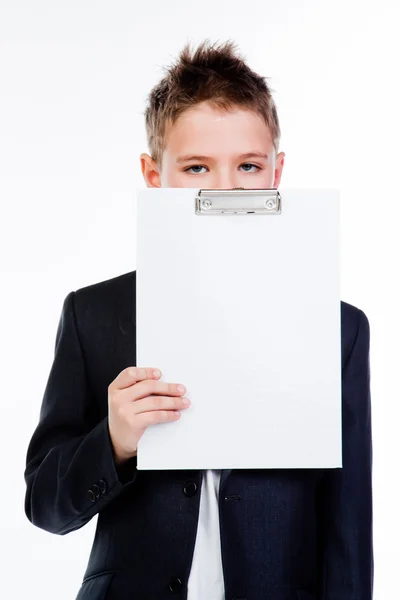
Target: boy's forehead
203, 127
204, 113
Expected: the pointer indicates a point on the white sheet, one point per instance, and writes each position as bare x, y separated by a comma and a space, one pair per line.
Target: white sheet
244, 310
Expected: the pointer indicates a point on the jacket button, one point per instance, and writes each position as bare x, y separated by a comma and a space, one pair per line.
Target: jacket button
91, 495
102, 485
175, 585
96, 490
190, 488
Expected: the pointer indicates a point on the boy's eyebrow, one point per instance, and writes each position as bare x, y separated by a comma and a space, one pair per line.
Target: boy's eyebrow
198, 157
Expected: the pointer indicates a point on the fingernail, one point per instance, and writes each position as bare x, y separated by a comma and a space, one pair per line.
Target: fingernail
181, 388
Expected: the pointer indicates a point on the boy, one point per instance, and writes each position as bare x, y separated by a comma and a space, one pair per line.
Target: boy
282, 534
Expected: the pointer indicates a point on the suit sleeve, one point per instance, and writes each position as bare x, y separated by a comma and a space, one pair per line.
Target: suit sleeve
70, 471
347, 544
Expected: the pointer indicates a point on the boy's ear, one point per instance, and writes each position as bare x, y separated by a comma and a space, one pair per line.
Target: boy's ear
280, 161
150, 171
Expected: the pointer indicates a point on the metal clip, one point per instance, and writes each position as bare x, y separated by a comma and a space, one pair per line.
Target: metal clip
238, 201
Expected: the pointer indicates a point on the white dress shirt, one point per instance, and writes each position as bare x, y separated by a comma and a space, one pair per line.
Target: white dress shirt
206, 581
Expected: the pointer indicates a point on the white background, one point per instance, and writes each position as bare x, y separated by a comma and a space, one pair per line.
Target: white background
74, 76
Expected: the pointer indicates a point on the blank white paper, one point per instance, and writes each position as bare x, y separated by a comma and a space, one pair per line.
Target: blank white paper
244, 310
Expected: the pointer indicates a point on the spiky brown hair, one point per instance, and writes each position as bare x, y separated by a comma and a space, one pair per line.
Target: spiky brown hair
214, 73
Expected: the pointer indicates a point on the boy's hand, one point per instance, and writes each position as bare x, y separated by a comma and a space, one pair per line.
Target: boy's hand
135, 401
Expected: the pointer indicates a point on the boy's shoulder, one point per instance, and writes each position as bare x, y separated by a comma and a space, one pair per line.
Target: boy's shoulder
103, 301
108, 287
354, 325
352, 317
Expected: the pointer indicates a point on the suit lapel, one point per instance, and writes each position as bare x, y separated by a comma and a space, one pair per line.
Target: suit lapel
224, 476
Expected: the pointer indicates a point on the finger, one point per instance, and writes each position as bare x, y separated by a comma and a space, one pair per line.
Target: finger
157, 416
148, 387
152, 403
132, 375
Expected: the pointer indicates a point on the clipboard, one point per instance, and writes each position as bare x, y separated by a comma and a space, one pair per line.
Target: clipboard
238, 298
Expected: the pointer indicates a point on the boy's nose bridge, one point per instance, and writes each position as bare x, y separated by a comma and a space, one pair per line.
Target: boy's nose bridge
226, 180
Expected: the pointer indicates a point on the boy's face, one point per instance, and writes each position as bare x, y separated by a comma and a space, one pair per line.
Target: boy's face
210, 148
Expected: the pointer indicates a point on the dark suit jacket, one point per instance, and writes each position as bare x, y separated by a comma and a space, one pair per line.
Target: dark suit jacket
286, 534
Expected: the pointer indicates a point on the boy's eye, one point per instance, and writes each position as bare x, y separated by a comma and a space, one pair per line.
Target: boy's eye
250, 165
196, 167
